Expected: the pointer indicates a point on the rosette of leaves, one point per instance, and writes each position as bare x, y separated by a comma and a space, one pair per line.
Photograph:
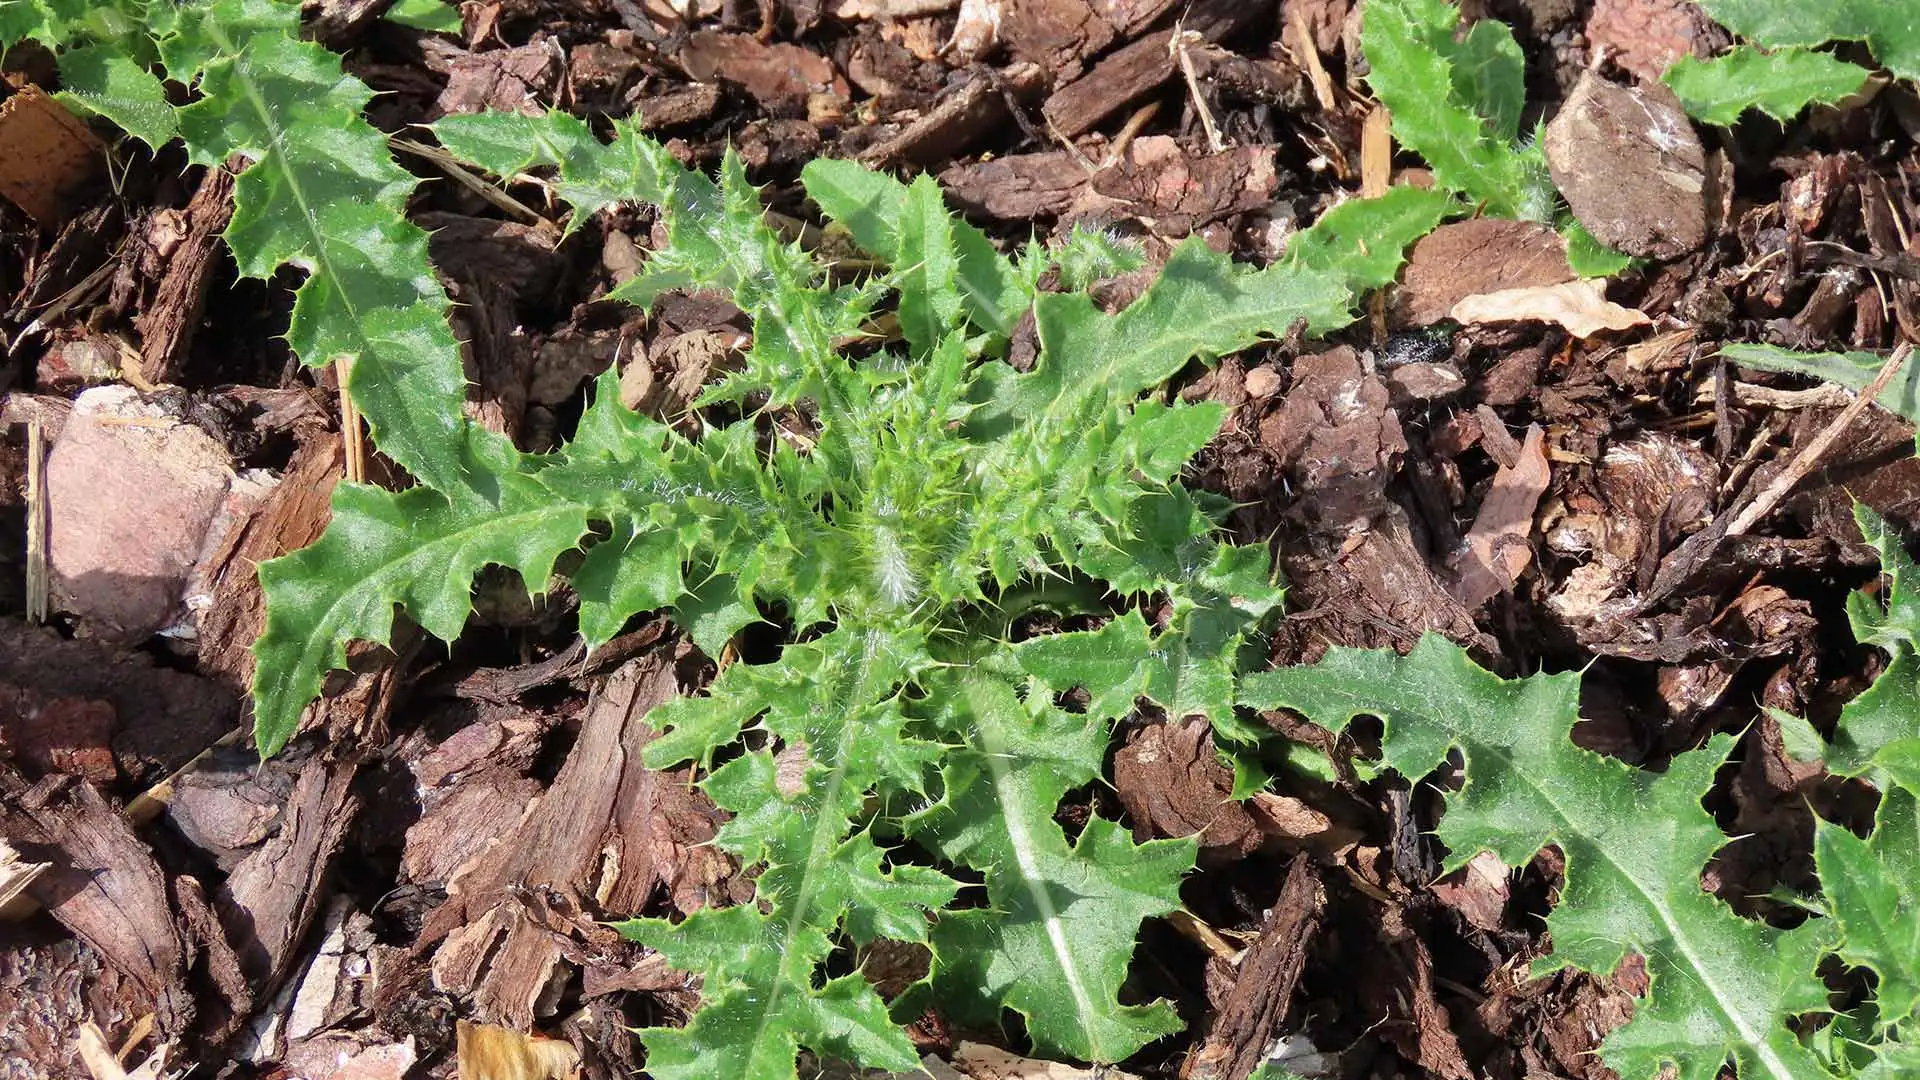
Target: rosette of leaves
895, 506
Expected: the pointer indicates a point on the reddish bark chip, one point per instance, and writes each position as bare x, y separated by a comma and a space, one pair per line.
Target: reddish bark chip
1484, 255
1631, 167
1646, 36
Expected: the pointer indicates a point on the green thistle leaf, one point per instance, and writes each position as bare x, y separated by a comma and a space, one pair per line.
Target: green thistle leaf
1780, 84
1723, 987
1890, 30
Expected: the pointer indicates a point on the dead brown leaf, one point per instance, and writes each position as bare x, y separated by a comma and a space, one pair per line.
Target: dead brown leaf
1580, 307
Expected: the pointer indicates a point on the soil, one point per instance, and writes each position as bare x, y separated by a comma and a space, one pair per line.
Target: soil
421, 880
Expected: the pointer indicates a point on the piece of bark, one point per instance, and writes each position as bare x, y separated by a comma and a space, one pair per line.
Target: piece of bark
1123, 76
221, 1017
679, 105
1170, 779
1396, 981
290, 518
1631, 167
520, 79
608, 831
1018, 187
1236, 1041
1482, 255
103, 885
169, 320
227, 802
1499, 547
273, 895
478, 811
1175, 190
782, 77
47, 155
958, 119
1054, 34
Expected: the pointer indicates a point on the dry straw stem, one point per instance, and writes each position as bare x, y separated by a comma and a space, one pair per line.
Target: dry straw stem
1804, 462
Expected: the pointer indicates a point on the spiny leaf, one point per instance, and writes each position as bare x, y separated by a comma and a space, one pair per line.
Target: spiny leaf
1089, 255
761, 1002
1872, 891
104, 79
1723, 987
1779, 83
1061, 918
874, 208
1366, 238
1885, 718
1890, 30
1587, 256
415, 549
324, 194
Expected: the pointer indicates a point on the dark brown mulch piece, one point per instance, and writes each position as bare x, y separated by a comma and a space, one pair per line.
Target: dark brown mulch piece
960, 118
168, 321
1236, 1041
670, 108
273, 895
1159, 181
1483, 255
503, 953
1631, 168
1175, 189
1123, 76
103, 885
1018, 187
291, 517
1553, 1026
1056, 34
519, 80
1397, 981
783, 78
162, 717
1170, 779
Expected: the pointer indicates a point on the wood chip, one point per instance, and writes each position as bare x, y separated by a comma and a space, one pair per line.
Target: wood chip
1123, 76
1499, 546
1236, 1041
607, 832
1631, 167
47, 155
103, 886
168, 322
1483, 255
